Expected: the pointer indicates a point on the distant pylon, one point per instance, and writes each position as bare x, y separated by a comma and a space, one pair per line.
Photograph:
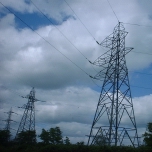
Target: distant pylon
8, 121
28, 119
114, 120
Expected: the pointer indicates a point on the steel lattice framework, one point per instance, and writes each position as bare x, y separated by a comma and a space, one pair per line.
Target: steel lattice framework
8, 120
114, 121
28, 119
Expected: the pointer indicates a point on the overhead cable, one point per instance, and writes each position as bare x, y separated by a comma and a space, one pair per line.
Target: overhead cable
141, 87
44, 39
80, 20
113, 11
137, 24
58, 29
141, 73
142, 52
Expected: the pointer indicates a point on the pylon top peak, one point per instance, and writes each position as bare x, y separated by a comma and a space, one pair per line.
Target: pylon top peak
119, 26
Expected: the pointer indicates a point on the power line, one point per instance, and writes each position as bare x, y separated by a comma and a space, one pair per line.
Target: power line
134, 24
128, 71
58, 30
6, 88
113, 10
142, 52
141, 73
80, 20
130, 85
141, 87
95, 83
137, 24
44, 39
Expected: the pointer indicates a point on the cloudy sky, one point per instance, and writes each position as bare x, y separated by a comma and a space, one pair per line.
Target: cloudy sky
50, 52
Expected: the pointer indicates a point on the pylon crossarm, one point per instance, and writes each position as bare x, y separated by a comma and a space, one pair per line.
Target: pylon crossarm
102, 61
127, 50
100, 75
107, 42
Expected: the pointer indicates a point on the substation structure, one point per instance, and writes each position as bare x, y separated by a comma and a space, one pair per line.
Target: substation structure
114, 120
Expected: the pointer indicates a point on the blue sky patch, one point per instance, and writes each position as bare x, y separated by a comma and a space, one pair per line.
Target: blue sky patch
34, 20
139, 82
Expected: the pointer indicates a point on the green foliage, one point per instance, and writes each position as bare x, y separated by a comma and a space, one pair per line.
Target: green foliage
148, 135
26, 137
101, 140
41, 147
67, 141
80, 143
4, 136
44, 136
53, 136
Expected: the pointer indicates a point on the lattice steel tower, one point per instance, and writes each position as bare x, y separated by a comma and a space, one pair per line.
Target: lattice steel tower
114, 120
8, 122
28, 119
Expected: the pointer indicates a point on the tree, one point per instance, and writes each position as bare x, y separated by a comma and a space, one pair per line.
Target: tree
67, 141
80, 143
58, 136
148, 135
53, 136
44, 136
4, 136
101, 140
26, 137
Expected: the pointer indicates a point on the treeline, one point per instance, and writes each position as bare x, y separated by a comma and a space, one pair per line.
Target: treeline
52, 136
41, 147
53, 141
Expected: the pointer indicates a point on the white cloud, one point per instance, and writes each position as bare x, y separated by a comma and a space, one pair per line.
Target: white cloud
143, 109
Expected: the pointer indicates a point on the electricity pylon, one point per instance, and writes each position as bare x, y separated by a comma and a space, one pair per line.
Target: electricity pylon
114, 120
28, 119
8, 121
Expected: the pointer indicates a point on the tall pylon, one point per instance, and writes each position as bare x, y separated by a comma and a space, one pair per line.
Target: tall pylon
28, 119
114, 120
